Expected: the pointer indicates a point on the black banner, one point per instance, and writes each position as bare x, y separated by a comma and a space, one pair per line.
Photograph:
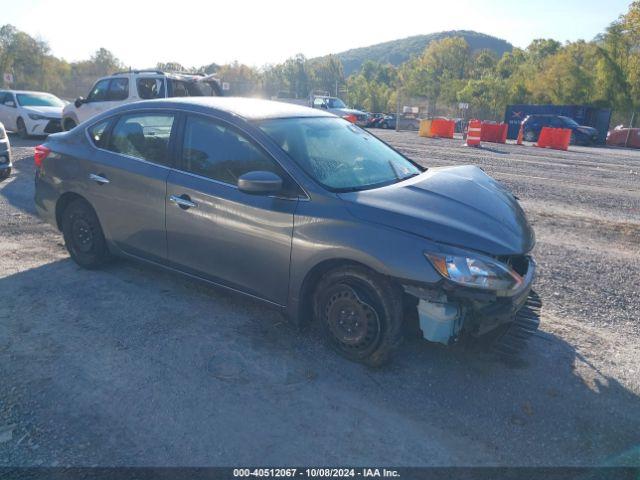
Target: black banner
215, 473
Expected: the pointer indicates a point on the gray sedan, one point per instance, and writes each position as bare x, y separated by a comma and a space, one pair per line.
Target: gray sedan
297, 208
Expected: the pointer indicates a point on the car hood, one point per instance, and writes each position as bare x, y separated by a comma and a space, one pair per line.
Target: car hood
459, 206
51, 112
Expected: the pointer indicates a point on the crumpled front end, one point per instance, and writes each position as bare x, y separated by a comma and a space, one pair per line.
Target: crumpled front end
448, 311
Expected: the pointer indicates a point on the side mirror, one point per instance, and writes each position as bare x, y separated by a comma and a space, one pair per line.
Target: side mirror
260, 183
10, 103
79, 101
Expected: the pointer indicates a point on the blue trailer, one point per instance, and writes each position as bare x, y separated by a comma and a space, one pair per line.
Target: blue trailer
597, 118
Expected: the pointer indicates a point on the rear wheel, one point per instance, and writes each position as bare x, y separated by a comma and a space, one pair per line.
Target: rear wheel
5, 173
22, 129
359, 313
83, 235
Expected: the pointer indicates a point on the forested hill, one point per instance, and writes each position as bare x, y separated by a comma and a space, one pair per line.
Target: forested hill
396, 52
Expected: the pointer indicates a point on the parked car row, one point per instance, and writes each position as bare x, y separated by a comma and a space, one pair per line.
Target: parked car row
32, 113
390, 120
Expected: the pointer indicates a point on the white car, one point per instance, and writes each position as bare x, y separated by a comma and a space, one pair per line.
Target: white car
30, 113
134, 85
5, 154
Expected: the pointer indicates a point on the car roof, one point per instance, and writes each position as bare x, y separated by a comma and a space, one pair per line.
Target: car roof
247, 108
26, 91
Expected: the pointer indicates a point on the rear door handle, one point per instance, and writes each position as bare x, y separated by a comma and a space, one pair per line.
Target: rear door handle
183, 201
98, 178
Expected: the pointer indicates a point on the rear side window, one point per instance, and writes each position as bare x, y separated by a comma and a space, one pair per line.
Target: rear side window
215, 151
119, 89
179, 89
143, 136
149, 88
99, 91
97, 133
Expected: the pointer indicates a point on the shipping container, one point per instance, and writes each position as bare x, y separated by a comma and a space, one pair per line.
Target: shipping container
597, 118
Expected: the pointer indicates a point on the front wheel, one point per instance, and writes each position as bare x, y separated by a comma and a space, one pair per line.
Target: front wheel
384, 125
22, 129
5, 173
83, 235
360, 314
68, 124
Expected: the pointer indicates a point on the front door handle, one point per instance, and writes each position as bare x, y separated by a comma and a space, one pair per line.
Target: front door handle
98, 178
183, 201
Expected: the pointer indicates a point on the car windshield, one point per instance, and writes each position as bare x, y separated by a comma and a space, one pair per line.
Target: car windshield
38, 100
337, 154
569, 121
336, 103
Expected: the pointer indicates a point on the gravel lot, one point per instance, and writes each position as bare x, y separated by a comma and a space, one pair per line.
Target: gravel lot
134, 366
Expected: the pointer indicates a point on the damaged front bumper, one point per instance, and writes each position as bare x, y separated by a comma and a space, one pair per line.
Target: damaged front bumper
447, 311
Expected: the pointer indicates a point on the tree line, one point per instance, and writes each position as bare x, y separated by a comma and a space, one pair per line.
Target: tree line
603, 72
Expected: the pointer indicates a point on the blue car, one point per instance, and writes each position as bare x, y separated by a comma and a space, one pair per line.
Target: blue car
581, 134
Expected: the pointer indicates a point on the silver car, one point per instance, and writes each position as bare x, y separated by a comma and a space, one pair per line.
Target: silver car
295, 207
5, 154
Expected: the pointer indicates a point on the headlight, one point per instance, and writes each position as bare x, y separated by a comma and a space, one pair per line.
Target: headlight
35, 116
477, 272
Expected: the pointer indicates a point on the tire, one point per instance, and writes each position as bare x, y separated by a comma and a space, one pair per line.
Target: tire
530, 136
5, 173
83, 235
22, 129
359, 313
68, 124
384, 125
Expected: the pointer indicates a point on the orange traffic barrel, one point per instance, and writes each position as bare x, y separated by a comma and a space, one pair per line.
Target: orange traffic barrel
474, 133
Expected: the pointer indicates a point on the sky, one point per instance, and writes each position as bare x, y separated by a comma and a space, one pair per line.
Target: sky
196, 33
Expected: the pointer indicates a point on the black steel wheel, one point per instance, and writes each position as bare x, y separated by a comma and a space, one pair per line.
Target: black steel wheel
83, 235
359, 313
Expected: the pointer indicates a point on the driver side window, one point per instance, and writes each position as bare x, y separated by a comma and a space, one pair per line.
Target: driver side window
99, 91
213, 150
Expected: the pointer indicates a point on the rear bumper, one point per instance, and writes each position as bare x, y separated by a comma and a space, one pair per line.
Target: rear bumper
45, 198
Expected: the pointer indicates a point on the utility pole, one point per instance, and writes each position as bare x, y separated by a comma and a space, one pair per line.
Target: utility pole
626, 142
398, 110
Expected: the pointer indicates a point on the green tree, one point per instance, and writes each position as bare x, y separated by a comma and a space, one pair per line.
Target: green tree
432, 75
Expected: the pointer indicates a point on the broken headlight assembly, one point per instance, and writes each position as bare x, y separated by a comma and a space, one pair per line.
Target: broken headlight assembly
475, 271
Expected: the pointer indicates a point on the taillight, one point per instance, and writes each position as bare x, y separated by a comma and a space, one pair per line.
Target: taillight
41, 152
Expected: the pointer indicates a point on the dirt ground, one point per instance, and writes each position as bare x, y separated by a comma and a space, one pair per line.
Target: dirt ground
131, 365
